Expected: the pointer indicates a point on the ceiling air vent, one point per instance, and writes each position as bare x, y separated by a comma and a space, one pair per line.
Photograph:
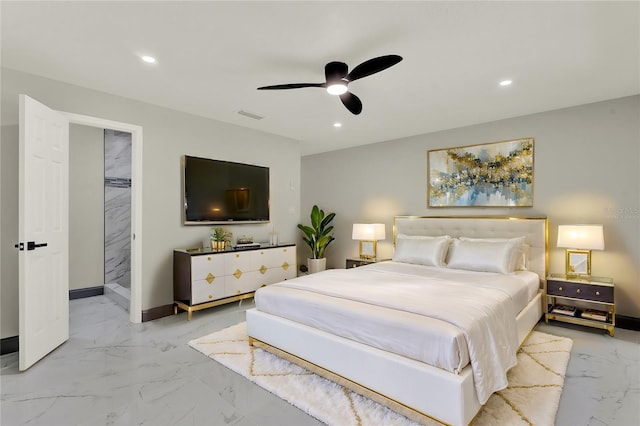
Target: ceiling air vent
250, 115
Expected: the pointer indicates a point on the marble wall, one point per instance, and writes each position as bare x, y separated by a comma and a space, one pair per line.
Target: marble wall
117, 208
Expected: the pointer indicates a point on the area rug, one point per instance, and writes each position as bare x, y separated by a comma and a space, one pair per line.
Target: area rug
531, 398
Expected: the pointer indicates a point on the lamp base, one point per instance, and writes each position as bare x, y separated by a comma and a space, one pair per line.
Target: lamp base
368, 249
578, 263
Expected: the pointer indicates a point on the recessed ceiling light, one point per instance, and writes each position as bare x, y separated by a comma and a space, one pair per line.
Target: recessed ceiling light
337, 124
506, 83
148, 59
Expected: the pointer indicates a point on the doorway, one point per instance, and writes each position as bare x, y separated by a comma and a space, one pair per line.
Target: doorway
135, 235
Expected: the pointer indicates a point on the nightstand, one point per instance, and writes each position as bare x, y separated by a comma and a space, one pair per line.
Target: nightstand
585, 301
356, 261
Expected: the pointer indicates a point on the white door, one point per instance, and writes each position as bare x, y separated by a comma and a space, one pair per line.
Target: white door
43, 231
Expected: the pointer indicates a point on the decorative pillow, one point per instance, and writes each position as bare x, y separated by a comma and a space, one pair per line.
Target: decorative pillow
521, 255
429, 251
483, 256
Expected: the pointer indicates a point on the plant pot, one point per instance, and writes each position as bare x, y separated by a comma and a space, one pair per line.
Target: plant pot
317, 265
218, 245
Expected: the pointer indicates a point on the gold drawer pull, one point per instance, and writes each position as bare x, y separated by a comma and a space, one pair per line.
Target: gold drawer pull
597, 293
578, 291
210, 297
560, 288
209, 258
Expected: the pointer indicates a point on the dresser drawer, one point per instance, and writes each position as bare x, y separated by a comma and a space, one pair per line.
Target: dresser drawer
584, 291
204, 291
204, 266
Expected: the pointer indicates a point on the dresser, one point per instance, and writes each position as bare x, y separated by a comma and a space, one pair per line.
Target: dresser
203, 278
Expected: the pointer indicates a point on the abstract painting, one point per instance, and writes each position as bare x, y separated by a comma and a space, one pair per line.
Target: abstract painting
498, 174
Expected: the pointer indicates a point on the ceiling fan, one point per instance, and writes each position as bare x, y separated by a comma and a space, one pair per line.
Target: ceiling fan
338, 79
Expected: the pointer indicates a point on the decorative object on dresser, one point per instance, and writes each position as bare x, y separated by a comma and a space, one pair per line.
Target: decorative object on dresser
579, 240
245, 242
488, 175
318, 236
580, 300
220, 238
368, 234
203, 278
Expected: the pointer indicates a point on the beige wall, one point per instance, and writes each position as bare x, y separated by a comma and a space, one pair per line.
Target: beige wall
586, 171
168, 135
86, 207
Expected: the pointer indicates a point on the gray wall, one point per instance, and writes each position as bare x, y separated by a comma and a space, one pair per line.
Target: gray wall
8, 231
86, 207
168, 135
587, 162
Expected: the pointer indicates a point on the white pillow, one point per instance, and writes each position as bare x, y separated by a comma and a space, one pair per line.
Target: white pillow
421, 250
521, 255
483, 256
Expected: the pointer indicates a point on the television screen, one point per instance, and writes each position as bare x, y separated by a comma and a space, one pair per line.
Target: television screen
222, 191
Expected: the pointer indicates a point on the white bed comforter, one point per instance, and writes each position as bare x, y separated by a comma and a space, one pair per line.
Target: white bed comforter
483, 311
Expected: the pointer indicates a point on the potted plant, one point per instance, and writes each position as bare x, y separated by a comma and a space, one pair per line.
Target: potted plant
220, 238
318, 236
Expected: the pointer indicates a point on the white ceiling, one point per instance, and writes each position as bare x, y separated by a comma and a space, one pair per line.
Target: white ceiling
213, 55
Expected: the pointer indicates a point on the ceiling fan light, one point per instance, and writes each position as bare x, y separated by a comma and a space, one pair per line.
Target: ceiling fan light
337, 88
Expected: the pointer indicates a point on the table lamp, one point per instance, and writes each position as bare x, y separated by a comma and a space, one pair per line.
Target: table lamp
369, 234
579, 240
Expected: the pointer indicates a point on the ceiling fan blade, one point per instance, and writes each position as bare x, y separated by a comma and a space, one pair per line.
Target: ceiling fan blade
335, 71
291, 86
373, 66
352, 102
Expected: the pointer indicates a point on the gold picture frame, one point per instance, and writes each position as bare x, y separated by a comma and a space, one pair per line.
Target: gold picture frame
497, 174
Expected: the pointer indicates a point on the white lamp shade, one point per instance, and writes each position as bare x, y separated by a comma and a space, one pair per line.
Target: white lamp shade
368, 231
589, 237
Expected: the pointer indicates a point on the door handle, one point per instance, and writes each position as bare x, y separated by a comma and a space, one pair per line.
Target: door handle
31, 245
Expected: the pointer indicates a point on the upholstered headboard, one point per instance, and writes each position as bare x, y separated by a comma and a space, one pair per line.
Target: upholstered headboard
533, 229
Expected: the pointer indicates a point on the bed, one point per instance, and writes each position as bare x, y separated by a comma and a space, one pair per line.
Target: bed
429, 334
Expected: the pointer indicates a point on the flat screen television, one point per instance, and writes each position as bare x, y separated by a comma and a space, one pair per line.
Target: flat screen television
218, 192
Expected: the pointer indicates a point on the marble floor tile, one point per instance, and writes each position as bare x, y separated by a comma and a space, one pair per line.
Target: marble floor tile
112, 372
